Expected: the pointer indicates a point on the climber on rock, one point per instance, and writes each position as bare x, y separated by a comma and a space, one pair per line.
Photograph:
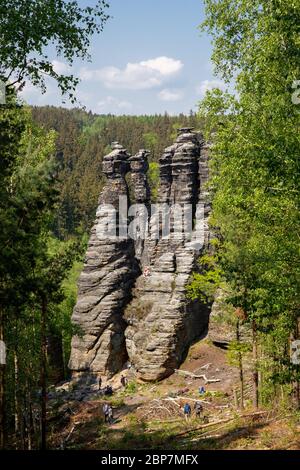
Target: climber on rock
146, 272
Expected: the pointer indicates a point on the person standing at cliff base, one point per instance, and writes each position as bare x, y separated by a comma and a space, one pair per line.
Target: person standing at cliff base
187, 411
110, 415
123, 381
105, 409
198, 409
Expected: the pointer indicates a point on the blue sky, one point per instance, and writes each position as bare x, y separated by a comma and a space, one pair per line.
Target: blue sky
149, 59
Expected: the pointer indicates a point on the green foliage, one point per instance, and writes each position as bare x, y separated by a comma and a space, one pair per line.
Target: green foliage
12, 125
153, 178
116, 402
60, 318
33, 264
82, 139
28, 195
29, 26
255, 167
237, 350
29, 272
151, 141
131, 387
204, 284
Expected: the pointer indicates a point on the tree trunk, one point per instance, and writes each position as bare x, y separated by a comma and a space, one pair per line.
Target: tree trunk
241, 380
240, 361
255, 365
30, 418
43, 378
2, 389
16, 397
55, 358
296, 384
235, 397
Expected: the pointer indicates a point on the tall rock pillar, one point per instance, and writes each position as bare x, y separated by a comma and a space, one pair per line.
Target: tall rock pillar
141, 200
104, 286
162, 322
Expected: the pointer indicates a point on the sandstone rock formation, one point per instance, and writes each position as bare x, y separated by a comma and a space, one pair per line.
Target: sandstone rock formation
162, 323
104, 286
123, 312
141, 199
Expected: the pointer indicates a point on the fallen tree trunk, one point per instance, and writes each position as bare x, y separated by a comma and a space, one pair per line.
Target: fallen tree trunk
204, 426
173, 400
194, 399
221, 421
64, 441
195, 376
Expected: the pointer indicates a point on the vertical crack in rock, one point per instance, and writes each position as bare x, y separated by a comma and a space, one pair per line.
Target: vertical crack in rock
104, 286
141, 199
203, 190
162, 322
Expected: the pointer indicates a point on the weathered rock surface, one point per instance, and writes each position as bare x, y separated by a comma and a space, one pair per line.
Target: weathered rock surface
122, 312
104, 286
139, 167
141, 200
162, 323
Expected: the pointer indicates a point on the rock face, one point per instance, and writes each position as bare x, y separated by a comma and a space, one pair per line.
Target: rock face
162, 322
141, 199
139, 167
104, 286
132, 301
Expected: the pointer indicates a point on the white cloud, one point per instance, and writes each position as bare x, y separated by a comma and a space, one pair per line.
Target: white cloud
113, 105
206, 85
170, 95
135, 76
164, 65
60, 67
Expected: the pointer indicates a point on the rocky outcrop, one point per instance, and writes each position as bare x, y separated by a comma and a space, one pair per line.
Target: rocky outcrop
162, 323
203, 197
104, 286
139, 167
132, 292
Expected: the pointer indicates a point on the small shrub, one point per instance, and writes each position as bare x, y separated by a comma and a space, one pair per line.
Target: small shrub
117, 402
138, 310
216, 394
131, 387
132, 420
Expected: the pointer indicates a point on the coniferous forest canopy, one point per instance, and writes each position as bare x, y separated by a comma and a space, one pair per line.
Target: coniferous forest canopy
51, 177
81, 142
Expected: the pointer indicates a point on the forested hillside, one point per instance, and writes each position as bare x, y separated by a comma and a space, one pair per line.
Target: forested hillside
83, 139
